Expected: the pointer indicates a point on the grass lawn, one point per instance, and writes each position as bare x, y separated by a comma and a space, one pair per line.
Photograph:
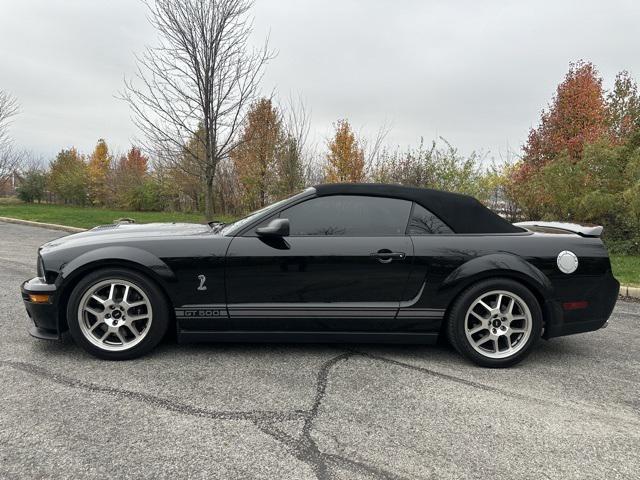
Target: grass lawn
90, 217
626, 269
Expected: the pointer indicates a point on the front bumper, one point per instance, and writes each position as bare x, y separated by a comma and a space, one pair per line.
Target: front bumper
44, 315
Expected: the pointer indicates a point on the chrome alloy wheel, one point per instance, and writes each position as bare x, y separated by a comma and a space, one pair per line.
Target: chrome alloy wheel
115, 315
498, 324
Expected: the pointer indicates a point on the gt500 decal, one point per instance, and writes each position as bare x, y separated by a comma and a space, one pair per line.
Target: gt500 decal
204, 311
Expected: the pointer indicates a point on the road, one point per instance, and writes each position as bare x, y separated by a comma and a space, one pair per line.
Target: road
571, 410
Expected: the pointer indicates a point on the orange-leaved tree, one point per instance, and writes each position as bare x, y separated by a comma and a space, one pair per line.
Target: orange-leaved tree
577, 115
345, 159
134, 164
255, 157
128, 177
98, 172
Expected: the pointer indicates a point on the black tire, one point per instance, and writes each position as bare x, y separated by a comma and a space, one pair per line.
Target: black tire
457, 318
156, 329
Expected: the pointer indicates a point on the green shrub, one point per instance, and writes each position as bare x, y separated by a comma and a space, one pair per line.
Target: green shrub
624, 247
148, 196
33, 185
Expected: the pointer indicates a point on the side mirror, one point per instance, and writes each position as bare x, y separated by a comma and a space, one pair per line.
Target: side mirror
278, 227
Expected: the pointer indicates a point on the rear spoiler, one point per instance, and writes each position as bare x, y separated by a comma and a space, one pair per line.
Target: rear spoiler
584, 230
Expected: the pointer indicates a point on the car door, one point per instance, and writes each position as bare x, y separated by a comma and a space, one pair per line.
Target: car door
344, 266
434, 259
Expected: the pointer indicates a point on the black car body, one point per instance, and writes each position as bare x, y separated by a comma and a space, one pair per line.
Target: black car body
335, 263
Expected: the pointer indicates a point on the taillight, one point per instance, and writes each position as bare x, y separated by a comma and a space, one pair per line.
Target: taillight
578, 305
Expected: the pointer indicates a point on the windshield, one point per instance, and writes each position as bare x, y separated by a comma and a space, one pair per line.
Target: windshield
238, 225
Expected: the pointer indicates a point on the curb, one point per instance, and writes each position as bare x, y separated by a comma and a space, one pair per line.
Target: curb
51, 226
625, 290
629, 291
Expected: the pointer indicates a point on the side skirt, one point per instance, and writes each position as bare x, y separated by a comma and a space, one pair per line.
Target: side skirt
195, 336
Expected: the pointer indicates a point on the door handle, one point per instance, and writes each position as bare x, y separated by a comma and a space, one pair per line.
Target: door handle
387, 256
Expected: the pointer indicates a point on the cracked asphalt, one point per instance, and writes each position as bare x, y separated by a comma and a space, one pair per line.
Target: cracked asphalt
571, 410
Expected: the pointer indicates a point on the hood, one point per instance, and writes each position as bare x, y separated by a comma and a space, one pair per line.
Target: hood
127, 231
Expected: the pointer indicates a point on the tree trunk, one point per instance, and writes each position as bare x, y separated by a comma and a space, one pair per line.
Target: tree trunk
209, 201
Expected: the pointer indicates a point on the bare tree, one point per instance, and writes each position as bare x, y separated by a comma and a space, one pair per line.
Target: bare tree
373, 147
10, 158
197, 83
8, 108
297, 123
294, 156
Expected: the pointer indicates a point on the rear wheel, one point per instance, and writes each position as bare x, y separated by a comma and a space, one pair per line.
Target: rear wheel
117, 314
495, 323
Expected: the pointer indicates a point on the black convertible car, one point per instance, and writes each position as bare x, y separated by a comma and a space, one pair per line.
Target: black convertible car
355, 263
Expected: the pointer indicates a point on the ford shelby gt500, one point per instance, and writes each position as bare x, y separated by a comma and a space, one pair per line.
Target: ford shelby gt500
354, 263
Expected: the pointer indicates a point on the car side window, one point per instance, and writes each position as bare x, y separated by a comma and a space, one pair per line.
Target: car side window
349, 215
423, 222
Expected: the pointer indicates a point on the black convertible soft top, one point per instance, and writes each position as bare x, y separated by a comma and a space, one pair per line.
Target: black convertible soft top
464, 214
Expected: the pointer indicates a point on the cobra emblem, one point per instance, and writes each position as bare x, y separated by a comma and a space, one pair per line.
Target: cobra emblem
202, 279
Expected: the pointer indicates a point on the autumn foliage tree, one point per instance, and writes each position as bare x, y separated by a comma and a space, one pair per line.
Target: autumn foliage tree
68, 177
581, 163
577, 116
134, 164
345, 159
128, 177
98, 173
255, 157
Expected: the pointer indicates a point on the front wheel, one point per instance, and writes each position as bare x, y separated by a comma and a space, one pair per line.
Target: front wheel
117, 314
495, 323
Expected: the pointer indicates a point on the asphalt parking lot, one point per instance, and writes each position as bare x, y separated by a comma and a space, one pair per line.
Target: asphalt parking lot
572, 410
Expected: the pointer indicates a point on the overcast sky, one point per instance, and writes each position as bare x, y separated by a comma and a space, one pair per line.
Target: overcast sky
474, 72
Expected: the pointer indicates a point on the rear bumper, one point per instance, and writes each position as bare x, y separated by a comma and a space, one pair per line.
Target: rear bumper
602, 297
44, 316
